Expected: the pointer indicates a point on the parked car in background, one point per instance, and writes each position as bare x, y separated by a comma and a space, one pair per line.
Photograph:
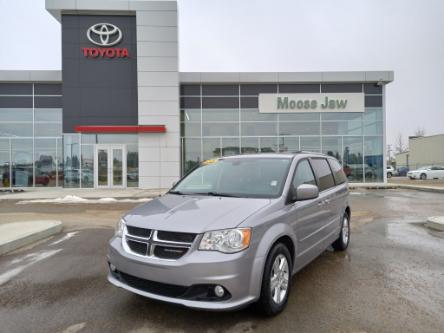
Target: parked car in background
233, 232
402, 171
427, 172
390, 171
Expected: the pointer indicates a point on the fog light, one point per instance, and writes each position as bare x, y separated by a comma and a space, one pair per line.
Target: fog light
219, 291
112, 267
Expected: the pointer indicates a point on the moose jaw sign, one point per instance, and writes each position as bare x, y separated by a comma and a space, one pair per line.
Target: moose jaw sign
104, 35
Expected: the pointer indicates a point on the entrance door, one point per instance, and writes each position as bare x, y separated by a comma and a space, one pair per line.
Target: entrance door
110, 162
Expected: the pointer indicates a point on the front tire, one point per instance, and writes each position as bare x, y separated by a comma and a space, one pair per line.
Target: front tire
276, 281
344, 237
389, 175
423, 176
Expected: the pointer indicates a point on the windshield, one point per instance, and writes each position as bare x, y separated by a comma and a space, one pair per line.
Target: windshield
424, 168
237, 177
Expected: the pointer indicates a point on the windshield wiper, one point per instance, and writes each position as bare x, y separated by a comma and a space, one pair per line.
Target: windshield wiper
216, 194
177, 192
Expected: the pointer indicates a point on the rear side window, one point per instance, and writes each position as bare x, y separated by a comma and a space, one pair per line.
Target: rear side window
303, 174
323, 172
338, 172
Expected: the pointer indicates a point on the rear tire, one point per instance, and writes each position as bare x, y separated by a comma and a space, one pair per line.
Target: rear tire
423, 176
344, 237
277, 272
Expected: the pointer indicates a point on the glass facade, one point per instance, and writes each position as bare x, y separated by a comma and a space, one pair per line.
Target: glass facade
223, 119
79, 159
35, 153
30, 134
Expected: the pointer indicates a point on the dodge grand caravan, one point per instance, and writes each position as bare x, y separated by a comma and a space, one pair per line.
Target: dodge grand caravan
233, 232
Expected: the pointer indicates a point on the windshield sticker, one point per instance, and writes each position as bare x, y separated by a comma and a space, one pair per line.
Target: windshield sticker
212, 161
273, 183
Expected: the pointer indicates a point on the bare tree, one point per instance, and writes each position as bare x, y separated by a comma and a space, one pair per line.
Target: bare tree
399, 145
420, 131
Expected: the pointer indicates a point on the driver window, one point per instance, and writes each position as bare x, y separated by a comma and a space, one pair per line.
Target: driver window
303, 174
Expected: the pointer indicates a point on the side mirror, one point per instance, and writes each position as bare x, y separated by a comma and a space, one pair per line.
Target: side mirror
306, 192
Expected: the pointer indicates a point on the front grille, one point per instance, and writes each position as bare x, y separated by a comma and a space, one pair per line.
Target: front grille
138, 247
181, 237
139, 232
168, 252
157, 243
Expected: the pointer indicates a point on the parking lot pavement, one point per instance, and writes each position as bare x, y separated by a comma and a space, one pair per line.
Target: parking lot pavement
416, 182
389, 280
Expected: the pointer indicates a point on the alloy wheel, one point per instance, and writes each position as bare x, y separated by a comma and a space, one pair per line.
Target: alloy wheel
279, 279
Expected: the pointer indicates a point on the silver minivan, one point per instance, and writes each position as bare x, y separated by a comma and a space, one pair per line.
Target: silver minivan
233, 231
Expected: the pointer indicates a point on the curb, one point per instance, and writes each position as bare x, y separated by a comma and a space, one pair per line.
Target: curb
435, 223
20, 238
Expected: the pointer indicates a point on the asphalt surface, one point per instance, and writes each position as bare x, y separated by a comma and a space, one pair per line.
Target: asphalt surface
418, 182
389, 280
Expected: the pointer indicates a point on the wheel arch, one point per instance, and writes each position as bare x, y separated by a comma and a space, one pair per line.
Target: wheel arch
277, 233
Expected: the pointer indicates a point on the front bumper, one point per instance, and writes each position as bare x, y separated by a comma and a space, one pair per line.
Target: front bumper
239, 273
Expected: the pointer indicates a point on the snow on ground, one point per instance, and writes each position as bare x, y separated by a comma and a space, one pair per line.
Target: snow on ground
75, 199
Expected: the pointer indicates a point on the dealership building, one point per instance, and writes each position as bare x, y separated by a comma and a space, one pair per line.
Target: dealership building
120, 114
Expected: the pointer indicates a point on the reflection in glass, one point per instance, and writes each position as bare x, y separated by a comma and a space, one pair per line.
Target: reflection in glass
16, 129
332, 146
71, 152
250, 145
288, 144
117, 167
211, 148
190, 115
220, 115
302, 128
102, 167
268, 145
231, 130
348, 127
254, 115
87, 165
4, 163
230, 146
191, 154
353, 159
373, 149
60, 161
220, 129
22, 175
259, 128
45, 162
311, 143
132, 166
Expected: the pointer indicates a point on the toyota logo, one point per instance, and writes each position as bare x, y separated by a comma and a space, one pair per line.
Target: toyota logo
104, 34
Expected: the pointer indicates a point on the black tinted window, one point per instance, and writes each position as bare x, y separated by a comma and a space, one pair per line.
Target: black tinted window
323, 173
303, 174
338, 172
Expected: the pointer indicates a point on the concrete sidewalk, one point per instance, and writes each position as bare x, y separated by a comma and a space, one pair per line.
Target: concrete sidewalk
385, 186
137, 193
86, 193
19, 234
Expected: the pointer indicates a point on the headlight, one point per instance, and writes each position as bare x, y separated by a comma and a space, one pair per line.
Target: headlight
226, 241
119, 228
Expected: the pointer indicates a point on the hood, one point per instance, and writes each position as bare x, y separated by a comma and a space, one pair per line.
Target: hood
194, 214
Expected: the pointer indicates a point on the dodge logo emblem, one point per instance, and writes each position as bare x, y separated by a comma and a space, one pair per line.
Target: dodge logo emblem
104, 34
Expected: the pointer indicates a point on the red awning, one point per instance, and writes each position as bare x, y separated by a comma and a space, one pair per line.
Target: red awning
121, 129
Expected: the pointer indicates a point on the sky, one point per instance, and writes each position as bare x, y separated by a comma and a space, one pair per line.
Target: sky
405, 36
